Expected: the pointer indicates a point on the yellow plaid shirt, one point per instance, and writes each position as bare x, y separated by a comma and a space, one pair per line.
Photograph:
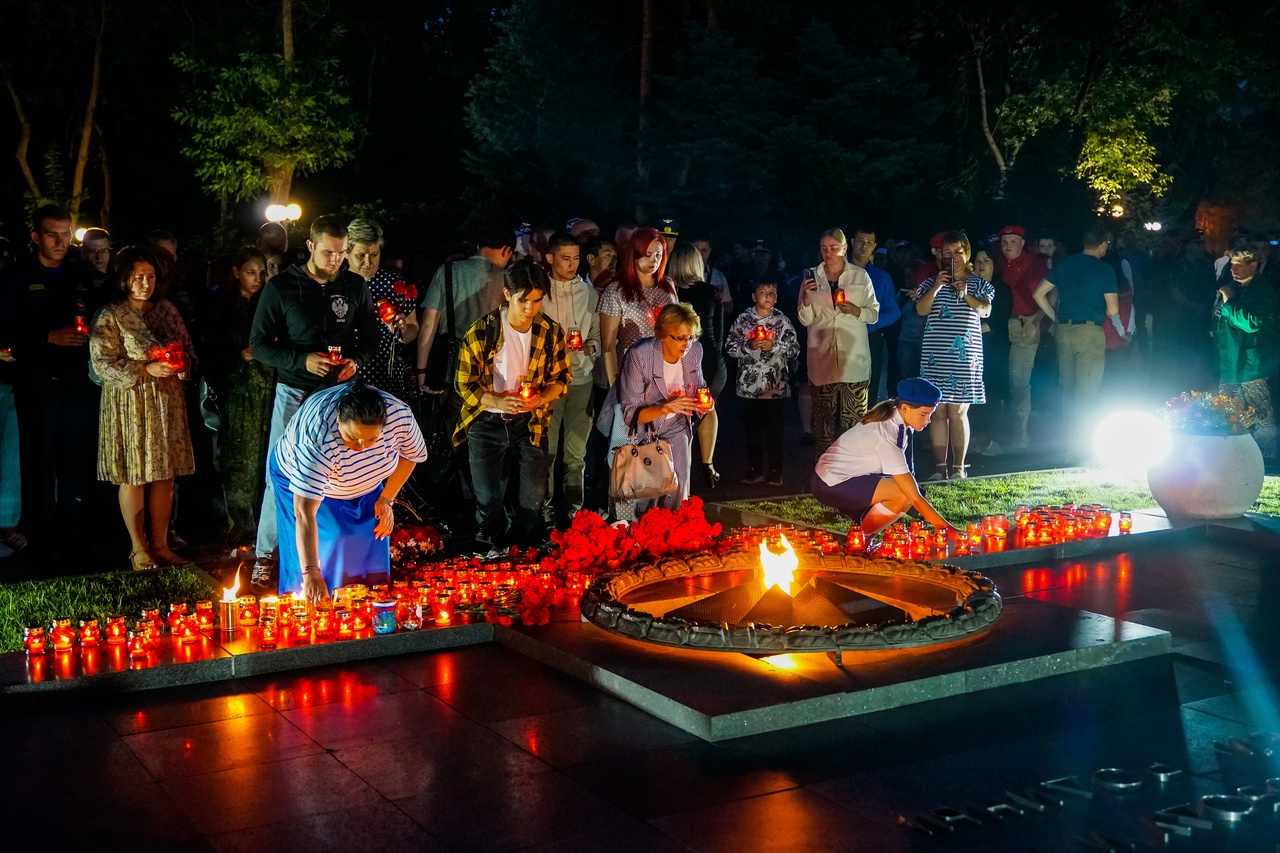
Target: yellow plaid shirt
548, 362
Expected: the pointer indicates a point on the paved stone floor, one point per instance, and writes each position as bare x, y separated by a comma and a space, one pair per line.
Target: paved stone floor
481, 749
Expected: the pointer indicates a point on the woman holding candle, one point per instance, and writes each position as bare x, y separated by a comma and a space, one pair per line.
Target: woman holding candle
658, 385
955, 302
246, 387
689, 274
139, 346
865, 474
395, 303
337, 469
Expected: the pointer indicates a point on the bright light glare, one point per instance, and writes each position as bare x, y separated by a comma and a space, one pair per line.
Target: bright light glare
781, 661
1152, 226
80, 232
293, 212
1131, 441
277, 212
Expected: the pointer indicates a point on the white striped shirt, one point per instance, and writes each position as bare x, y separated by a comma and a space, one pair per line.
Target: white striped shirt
311, 453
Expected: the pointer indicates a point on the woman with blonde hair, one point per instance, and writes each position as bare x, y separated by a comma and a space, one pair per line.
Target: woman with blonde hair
688, 272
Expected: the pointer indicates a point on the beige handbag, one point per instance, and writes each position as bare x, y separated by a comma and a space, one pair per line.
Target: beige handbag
642, 468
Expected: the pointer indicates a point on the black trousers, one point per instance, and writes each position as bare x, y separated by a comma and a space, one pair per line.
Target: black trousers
58, 434
763, 422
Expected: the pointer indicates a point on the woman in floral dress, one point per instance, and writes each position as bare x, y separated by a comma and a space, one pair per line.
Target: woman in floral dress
141, 350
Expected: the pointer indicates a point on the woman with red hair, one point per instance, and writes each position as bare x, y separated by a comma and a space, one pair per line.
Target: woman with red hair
630, 304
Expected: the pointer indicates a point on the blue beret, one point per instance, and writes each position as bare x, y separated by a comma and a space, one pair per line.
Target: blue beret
919, 392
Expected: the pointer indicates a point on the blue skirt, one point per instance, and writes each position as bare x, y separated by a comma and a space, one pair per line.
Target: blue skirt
349, 552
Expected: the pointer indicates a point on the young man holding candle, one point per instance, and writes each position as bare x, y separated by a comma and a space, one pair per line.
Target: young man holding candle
514, 363
573, 304
764, 342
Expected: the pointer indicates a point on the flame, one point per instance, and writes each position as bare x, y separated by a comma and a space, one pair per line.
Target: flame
779, 568
230, 594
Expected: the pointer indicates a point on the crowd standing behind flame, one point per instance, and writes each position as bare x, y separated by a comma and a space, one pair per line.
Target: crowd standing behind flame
1174, 318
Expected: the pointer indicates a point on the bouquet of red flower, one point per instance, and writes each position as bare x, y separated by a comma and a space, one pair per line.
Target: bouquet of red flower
592, 545
413, 543
407, 292
675, 532
173, 356
535, 603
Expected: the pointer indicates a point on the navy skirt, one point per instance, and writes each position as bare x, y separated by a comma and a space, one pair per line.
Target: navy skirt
349, 552
853, 497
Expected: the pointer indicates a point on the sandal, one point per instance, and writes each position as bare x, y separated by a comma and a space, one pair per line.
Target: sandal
939, 472
960, 472
142, 562
710, 474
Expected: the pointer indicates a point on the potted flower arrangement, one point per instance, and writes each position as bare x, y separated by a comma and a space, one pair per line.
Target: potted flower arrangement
1215, 469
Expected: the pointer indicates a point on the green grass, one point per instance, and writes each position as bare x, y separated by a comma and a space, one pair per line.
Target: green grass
93, 597
966, 500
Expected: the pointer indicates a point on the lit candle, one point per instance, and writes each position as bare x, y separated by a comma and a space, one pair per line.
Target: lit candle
575, 339
840, 298
204, 614
335, 355
188, 630
1126, 522
62, 636
139, 645
299, 625
33, 639
346, 623
1103, 522
526, 391
443, 610
324, 622
150, 615
704, 398
386, 311
117, 631
269, 607
973, 532
81, 326
90, 635
856, 540
177, 613
268, 635
249, 610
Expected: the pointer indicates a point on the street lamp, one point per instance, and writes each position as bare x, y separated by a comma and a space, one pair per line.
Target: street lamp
1152, 226
80, 232
283, 213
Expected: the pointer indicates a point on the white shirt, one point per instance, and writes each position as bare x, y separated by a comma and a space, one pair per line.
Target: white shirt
672, 377
511, 361
878, 448
838, 349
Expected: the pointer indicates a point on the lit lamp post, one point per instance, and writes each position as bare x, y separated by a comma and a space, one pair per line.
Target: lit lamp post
285, 215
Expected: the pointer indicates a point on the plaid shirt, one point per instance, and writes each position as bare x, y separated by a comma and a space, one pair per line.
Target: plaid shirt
548, 362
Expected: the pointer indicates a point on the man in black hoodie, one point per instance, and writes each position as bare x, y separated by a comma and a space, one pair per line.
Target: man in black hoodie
315, 325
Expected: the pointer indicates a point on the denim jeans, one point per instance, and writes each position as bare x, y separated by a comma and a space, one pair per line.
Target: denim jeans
570, 412
494, 441
288, 401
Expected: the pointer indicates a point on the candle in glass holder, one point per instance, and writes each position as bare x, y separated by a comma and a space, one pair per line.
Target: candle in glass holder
299, 625
839, 297
386, 311
574, 339
346, 623
90, 634
1103, 521
81, 326
138, 644
268, 634
335, 355
188, 630
151, 615
117, 631
443, 609
324, 622
856, 540
409, 617
704, 398
204, 614
249, 611
177, 612
940, 538
973, 532
269, 607
384, 616
62, 636
1126, 522
33, 639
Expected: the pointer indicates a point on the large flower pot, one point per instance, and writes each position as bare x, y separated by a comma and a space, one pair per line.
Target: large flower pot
1208, 476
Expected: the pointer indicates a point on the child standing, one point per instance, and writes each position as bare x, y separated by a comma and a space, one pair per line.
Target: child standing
764, 342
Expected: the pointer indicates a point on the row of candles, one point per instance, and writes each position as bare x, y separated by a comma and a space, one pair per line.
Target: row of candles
354, 611
1030, 528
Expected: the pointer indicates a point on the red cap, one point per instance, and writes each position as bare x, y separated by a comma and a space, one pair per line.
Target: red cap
935, 242
1013, 229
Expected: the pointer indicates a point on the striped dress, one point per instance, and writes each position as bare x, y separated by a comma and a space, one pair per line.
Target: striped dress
951, 354
310, 461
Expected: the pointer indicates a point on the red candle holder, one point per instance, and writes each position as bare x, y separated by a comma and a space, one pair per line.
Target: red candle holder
249, 610
346, 623
839, 297
386, 311
299, 626
204, 614
139, 645
1126, 522
62, 636
574, 339
268, 607
151, 615
324, 623
335, 355
704, 398
856, 540
268, 632
361, 612
1102, 523
34, 640
187, 631
90, 634
81, 326
527, 391
117, 631
973, 532
443, 610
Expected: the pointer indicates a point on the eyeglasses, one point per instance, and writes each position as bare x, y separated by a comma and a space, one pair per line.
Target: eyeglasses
682, 339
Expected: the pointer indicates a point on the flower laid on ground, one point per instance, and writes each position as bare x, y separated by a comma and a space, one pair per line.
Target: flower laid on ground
675, 532
591, 545
413, 543
1202, 413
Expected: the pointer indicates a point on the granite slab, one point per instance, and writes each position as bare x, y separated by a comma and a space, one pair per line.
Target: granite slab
718, 695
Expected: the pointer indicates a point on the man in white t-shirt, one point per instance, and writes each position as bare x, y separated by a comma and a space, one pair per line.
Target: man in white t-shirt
514, 363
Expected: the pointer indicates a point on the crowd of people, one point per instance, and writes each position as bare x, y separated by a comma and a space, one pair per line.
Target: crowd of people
293, 386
